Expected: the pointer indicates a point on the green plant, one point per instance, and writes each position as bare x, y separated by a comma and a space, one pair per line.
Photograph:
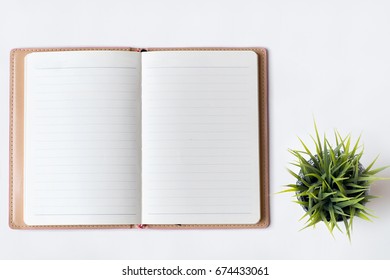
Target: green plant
332, 185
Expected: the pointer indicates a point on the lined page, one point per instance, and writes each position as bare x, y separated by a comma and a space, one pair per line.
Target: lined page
200, 138
82, 138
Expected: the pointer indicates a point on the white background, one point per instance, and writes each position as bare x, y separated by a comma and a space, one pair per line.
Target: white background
327, 59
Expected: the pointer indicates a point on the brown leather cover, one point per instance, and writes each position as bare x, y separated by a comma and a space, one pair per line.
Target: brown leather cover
16, 153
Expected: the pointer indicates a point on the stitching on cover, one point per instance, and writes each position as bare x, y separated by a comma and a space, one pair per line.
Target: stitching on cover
264, 125
207, 49
72, 49
11, 131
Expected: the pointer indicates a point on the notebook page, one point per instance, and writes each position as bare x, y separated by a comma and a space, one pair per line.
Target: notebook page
200, 138
82, 138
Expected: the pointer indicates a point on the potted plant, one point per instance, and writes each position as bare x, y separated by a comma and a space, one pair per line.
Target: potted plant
332, 185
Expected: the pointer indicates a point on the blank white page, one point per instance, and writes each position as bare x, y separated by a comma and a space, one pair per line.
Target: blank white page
200, 137
82, 138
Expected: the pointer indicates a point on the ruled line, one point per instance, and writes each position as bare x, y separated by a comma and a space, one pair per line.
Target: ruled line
197, 67
85, 67
83, 214
202, 213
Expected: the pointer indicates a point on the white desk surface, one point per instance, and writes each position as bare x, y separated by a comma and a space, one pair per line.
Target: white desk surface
327, 59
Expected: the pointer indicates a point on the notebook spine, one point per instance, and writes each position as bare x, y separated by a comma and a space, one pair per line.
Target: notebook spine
141, 226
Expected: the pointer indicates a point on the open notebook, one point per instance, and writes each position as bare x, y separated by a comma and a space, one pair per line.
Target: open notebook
115, 138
